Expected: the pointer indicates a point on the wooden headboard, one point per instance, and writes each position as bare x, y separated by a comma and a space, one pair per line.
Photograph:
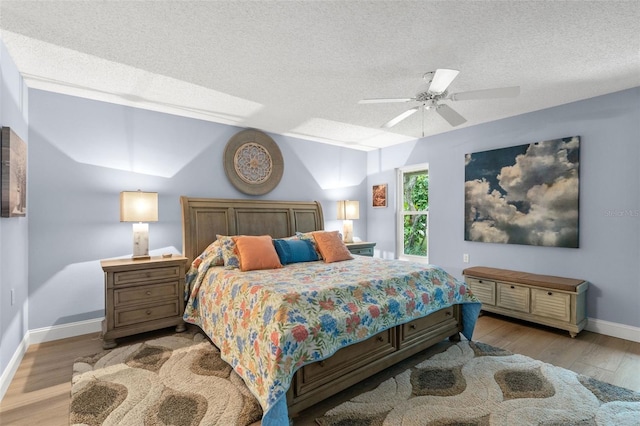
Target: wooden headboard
203, 218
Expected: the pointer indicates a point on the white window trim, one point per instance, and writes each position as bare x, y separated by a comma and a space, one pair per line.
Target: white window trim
400, 214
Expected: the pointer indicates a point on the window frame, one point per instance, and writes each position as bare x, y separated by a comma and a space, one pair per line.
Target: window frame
400, 213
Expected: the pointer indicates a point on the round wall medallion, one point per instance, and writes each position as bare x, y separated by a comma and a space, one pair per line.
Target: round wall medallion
253, 162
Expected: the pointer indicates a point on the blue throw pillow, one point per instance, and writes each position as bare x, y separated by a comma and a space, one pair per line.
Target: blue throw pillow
293, 251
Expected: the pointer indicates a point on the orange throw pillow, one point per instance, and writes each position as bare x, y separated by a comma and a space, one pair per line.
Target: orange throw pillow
256, 252
331, 246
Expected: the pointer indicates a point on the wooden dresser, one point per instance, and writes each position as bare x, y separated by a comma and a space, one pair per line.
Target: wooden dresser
554, 301
142, 295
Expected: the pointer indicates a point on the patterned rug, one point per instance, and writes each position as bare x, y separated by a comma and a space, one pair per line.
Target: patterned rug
181, 380
473, 384
174, 380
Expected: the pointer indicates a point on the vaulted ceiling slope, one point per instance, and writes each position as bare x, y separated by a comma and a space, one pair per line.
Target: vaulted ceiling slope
299, 68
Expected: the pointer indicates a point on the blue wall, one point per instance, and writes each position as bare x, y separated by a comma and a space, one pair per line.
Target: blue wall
609, 253
82, 153
13, 231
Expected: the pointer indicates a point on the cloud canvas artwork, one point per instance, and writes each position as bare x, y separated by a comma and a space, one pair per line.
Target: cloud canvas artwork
525, 194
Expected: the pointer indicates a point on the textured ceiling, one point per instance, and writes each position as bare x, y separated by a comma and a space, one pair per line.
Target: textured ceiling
299, 67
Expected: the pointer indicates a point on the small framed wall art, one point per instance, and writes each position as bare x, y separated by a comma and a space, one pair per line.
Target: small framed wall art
13, 174
379, 195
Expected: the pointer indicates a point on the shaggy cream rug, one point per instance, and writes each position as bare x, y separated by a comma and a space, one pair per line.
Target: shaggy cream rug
174, 380
473, 384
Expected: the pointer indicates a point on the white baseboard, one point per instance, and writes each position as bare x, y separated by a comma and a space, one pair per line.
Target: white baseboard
47, 334
41, 335
613, 329
12, 367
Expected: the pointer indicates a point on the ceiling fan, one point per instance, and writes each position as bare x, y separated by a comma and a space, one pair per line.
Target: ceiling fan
434, 90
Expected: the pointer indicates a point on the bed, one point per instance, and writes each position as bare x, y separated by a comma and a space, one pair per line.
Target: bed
301, 333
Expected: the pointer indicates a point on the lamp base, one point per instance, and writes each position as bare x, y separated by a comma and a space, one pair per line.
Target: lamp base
347, 231
140, 241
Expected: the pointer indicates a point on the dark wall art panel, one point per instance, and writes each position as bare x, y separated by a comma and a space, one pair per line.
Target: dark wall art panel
13, 173
525, 194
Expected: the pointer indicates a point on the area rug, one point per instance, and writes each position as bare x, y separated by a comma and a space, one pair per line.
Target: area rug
174, 380
476, 384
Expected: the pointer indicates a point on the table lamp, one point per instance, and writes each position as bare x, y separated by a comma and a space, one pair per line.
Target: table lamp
139, 207
347, 211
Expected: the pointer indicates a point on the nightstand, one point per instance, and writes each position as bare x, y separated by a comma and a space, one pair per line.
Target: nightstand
362, 248
142, 295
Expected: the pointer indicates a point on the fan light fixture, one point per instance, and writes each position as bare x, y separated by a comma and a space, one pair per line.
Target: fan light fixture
139, 207
434, 90
347, 211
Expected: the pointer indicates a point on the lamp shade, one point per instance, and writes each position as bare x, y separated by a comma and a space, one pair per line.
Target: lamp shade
138, 206
348, 210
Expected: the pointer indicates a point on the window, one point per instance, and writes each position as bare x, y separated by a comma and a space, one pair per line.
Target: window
413, 213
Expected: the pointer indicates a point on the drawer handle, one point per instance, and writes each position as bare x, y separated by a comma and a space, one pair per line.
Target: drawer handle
412, 326
512, 287
380, 339
550, 293
148, 293
148, 312
480, 281
448, 314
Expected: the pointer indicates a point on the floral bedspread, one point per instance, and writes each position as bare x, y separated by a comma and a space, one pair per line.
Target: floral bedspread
269, 323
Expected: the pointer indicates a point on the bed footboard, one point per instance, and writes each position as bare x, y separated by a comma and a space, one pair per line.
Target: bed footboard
348, 366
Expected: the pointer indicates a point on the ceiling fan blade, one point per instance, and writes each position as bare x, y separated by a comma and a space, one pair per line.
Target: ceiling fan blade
384, 100
399, 118
502, 92
450, 115
442, 78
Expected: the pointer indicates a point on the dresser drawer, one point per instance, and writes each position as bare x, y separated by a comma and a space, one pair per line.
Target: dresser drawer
134, 316
420, 325
361, 248
366, 251
484, 290
346, 360
551, 304
146, 293
145, 275
513, 296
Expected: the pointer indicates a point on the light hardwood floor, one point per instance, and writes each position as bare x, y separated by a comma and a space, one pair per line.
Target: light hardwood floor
40, 390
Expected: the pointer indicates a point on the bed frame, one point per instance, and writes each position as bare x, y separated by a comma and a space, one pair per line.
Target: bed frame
203, 218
